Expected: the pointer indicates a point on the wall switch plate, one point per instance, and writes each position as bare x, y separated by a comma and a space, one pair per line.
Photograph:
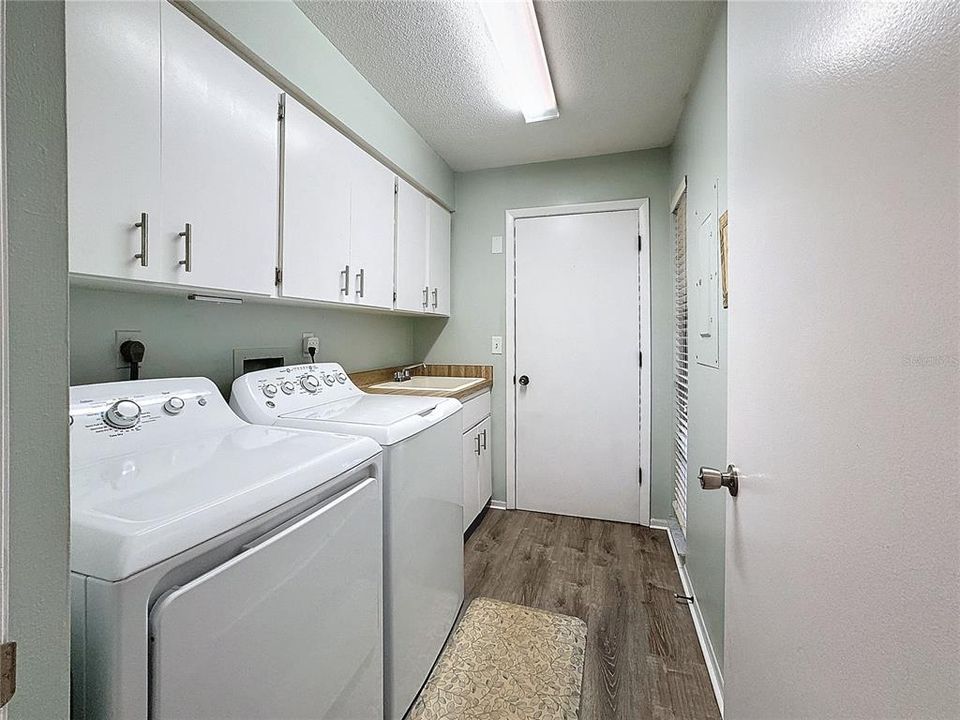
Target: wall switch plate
496, 345
120, 337
309, 340
496, 244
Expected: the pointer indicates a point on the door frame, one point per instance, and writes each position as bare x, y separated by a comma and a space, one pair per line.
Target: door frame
642, 206
4, 359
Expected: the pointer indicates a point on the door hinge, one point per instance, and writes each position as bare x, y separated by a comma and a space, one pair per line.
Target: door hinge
394, 295
639, 476
8, 672
639, 242
641, 358
277, 276
282, 107
396, 185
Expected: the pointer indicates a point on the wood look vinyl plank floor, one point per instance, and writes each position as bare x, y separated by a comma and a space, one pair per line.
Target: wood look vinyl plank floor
642, 658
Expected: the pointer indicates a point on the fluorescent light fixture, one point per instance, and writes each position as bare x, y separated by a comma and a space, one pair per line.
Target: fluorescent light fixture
513, 27
220, 299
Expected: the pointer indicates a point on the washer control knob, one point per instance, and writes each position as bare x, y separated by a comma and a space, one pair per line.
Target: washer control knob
329, 379
310, 383
270, 390
341, 377
288, 388
122, 414
174, 406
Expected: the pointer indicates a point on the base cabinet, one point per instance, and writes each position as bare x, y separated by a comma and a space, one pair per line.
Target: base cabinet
477, 471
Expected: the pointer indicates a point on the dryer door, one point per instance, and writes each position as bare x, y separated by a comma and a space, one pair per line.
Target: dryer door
289, 628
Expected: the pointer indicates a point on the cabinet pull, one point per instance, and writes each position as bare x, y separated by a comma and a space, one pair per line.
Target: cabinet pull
435, 298
426, 294
144, 255
477, 438
345, 278
187, 235
360, 283
484, 434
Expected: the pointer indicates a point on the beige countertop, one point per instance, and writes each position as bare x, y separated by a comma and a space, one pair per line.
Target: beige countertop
365, 379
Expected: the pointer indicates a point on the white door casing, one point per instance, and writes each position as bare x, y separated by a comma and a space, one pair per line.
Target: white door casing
843, 545
4, 365
578, 319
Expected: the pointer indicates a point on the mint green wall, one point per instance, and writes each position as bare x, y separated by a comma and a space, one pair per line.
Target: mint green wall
478, 277
700, 153
282, 36
185, 337
39, 519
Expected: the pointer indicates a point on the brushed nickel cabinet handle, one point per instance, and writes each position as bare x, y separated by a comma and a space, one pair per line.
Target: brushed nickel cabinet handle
484, 434
426, 296
435, 298
144, 255
187, 235
345, 277
477, 438
360, 283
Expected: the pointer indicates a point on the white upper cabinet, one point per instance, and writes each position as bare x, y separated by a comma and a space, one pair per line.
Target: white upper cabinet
316, 208
219, 162
338, 212
113, 140
413, 288
438, 258
371, 230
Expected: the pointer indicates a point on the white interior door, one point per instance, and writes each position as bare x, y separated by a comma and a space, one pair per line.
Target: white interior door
577, 320
219, 161
316, 207
843, 544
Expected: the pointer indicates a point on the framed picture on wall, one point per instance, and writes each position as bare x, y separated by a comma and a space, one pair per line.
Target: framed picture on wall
723, 258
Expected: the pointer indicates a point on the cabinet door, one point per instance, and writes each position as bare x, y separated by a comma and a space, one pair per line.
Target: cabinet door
316, 207
485, 469
219, 161
412, 285
371, 230
471, 466
113, 140
439, 258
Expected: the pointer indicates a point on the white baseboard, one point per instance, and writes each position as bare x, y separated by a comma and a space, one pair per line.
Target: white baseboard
498, 505
709, 654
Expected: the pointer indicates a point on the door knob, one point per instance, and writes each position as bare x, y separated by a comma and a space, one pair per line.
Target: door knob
713, 479
523, 380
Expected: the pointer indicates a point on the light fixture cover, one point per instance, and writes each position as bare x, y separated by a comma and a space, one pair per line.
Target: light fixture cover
515, 33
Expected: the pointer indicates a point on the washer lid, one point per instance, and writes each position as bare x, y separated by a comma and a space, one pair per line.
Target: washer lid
132, 510
388, 419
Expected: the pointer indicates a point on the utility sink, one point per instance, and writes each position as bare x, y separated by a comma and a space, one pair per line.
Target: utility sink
425, 382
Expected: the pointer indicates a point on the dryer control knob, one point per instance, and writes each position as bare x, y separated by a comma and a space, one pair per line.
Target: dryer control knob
270, 390
174, 405
329, 379
122, 414
341, 377
310, 383
288, 388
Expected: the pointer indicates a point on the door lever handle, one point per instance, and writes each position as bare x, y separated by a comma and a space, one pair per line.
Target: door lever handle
713, 479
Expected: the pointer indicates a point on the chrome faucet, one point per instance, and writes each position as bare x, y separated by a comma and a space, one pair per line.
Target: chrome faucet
403, 374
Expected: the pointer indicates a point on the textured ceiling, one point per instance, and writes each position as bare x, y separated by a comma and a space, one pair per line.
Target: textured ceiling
620, 70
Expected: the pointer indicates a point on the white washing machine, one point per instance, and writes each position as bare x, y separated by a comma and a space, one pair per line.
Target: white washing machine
219, 569
422, 501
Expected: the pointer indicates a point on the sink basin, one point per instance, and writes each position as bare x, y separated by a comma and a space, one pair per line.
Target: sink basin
425, 382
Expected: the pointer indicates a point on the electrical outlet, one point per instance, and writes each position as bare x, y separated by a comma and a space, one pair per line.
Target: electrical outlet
309, 340
121, 336
496, 345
